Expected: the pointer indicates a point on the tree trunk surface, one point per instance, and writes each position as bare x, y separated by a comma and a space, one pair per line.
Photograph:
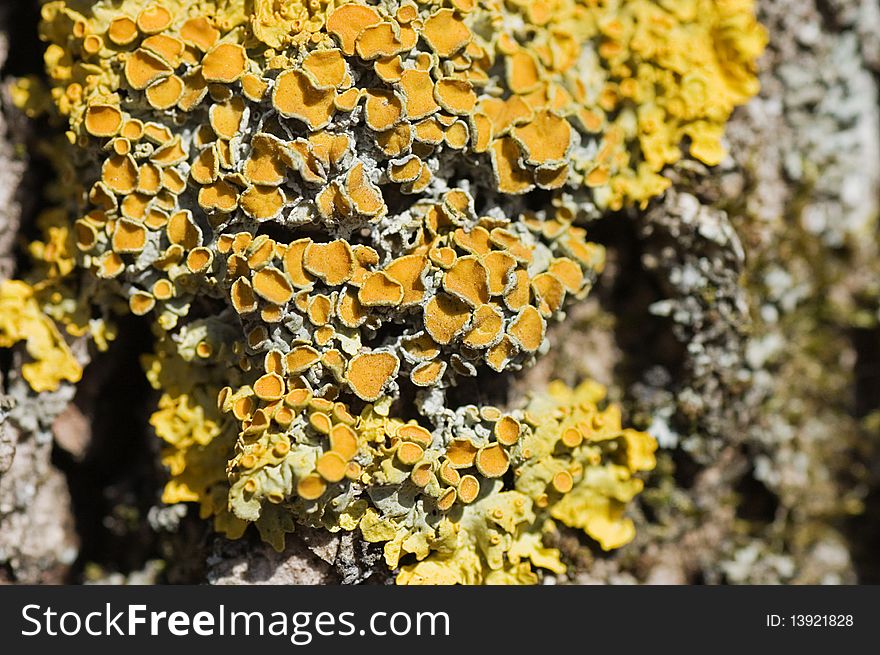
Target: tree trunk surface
738, 317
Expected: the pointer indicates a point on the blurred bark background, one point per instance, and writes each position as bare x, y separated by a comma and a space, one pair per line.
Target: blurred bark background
737, 320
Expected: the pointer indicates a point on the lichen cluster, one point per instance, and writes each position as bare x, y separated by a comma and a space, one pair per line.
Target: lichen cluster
336, 212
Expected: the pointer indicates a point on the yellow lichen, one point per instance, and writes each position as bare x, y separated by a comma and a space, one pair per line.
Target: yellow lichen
23, 320
206, 130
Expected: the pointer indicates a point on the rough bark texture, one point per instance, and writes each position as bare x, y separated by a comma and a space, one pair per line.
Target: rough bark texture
737, 320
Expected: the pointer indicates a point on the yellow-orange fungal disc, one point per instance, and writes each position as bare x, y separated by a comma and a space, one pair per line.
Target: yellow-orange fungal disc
182, 230
407, 271
552, 178
568, 272
457, 135
324, 405
225, 63
120, 174
487, 327
226, 117
482, 132
549, 292
167, 47
492, 461
428, 374
169, 154
134, 206
379, 40
420, 183
122, 31
421, 347
418, 89
142, 68
156, 133
389, 69
507, 430
149, 179
121, 146
446, 500
319, 421
444, 257
461, 453
173, 181
344, 441
342, 414
92, 44
348, 21
242, 296
415, 433
320, 310
301, 359
347, 100
407, 170
545, 139
475, 242
311, 487
272, 285
129, 237
380, 290
153, 19
448, 474
85, 234
273, 362
429, 132
523, 71
218, 196
326, 68
266, 165
528, 329
141, 303
455, 96
396, 141
445, 33
331, 466
332, 262
382, 110
254, 87
332, 359
243, 407
163, 290
510, 175
365, 258
468, 280
517, 297
499, 266
369, 373
195, 88
103, 120
294, 96
353, 471
269, 387
572, 437
563, 482
199, 32
409, 453
468, 489
445, 317
363, 194
262, 202
165, 93
350, 311
421, 474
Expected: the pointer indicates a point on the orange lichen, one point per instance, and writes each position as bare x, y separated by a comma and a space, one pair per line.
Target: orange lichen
357, 182
369, 373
